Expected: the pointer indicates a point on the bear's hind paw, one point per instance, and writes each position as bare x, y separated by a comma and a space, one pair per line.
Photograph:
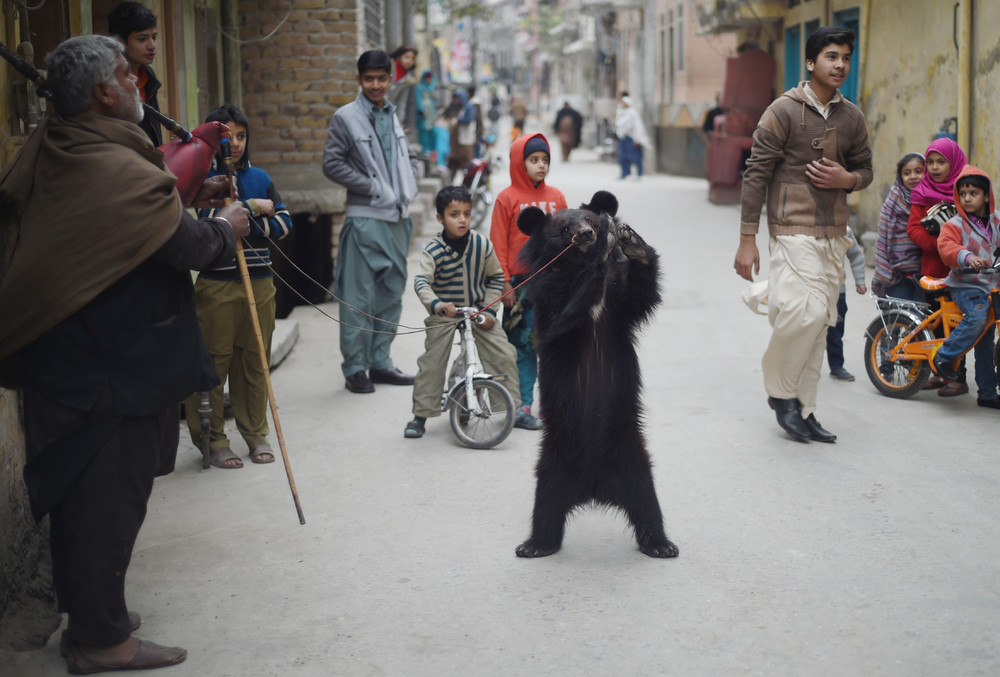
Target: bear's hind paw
666, 549
529, 549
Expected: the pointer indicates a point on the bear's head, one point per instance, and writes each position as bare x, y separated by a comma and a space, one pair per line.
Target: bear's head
580, 227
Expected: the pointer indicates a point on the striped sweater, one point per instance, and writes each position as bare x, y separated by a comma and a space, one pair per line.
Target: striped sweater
251, 183
473, 278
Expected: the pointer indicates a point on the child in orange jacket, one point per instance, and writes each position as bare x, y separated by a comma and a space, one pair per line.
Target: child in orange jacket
529, 165
969, 240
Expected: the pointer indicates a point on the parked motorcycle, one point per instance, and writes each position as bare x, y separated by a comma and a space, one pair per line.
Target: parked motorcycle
477, 180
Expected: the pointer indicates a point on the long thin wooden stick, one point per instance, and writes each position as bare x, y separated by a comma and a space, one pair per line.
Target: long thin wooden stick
227, 159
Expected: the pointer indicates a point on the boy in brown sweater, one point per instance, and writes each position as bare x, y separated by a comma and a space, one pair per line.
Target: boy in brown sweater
810, 149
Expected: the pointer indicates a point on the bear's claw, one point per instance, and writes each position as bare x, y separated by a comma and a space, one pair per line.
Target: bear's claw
527, 549
667, 549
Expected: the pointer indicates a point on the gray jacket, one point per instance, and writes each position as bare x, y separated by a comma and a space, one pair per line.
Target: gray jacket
353, 158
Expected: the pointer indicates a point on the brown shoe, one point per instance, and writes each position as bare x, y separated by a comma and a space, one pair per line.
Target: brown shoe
952, 389
933, 383
66, 644
147, 657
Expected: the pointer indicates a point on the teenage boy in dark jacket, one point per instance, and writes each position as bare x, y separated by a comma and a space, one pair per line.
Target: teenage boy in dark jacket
135, 27
810, 149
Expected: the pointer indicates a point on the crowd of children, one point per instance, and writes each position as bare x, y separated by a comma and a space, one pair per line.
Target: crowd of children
907, 249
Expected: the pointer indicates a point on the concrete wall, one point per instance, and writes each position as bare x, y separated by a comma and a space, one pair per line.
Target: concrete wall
910, 86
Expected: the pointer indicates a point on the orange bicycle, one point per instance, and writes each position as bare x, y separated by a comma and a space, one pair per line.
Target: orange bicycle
900, 343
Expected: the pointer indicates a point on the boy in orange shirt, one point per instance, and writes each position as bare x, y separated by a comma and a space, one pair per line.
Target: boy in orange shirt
529, 165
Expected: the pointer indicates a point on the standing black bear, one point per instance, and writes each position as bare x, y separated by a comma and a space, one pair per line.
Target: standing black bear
588, 306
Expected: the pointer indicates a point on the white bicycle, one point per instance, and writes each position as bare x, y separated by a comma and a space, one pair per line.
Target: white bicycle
481, 409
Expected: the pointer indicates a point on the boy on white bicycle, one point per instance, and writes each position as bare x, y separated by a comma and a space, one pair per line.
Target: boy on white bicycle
457, 268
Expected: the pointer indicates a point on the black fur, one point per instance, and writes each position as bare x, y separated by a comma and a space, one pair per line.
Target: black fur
588, 306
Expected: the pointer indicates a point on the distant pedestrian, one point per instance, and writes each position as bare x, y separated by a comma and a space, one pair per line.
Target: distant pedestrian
426, 103
367, 153
810, 149
835, 334
632, 137
402, 92
465, 127
568, 125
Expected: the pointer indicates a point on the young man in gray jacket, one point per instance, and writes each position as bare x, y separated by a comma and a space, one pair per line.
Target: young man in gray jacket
367, 153
810, 149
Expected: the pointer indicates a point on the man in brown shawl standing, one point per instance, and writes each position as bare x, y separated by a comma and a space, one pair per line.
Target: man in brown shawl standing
101, 334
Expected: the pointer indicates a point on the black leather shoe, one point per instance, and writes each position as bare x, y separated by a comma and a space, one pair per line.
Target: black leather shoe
945, 371
358, 383
816, 431
789, 413
392, 376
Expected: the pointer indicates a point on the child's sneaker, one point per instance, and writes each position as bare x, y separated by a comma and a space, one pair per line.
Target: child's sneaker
525, 420
414, 428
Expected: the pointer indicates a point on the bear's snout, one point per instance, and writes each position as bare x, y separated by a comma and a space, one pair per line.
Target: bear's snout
584, 236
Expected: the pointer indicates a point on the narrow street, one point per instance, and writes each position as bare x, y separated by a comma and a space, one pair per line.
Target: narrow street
877, 555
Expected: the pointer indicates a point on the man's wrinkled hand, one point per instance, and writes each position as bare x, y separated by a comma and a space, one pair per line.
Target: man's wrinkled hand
212, 194
238, 217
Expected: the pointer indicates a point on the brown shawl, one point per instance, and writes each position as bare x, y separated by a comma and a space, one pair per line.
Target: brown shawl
85, 201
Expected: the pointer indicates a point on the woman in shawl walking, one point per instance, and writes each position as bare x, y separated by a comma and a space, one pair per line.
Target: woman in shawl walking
466, 128
632, 137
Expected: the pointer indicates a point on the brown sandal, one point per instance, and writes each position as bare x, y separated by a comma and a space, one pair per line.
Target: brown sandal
260, 452
225, 458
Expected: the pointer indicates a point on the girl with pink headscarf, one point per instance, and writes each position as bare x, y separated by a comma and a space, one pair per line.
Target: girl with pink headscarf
944, 162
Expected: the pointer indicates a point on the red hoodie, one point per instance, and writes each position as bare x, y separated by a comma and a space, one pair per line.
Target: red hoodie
507, 238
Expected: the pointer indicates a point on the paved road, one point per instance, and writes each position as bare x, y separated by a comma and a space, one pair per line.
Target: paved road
874, 556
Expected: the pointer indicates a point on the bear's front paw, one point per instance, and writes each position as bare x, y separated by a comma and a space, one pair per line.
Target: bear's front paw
631, 244
529, 549
664, 549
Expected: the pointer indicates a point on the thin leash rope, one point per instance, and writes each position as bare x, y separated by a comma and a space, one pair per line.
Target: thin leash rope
410, 330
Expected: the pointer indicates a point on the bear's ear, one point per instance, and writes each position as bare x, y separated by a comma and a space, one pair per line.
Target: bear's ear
603, 202
530, 219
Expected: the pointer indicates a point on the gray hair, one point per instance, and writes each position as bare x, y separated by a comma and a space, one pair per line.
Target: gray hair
78, 64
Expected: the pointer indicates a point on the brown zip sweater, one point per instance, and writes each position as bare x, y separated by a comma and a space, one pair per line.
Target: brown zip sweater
790, 134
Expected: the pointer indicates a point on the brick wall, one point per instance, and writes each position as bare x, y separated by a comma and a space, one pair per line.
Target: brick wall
293, 82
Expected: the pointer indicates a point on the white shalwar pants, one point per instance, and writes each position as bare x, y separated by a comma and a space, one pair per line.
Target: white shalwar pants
804, 281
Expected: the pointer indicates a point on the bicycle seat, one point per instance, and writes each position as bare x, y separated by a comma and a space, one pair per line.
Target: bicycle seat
932, 283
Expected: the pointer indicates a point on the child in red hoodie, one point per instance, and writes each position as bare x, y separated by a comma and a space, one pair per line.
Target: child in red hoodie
969, 240
529, 165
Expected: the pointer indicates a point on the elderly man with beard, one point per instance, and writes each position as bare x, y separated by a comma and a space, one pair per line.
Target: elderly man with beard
100, 333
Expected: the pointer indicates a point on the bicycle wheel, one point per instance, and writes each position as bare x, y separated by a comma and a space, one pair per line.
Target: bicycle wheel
901, 379
494, 421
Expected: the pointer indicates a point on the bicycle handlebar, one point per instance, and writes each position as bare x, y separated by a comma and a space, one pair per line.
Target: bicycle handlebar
474, 313
968, 270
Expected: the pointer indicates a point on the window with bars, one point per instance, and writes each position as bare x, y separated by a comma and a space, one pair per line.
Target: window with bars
373, 23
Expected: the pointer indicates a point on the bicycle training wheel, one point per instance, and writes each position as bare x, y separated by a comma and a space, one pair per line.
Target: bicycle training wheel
494, 421
901, 379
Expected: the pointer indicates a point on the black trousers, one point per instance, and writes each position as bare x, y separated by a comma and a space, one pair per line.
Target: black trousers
95, 521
